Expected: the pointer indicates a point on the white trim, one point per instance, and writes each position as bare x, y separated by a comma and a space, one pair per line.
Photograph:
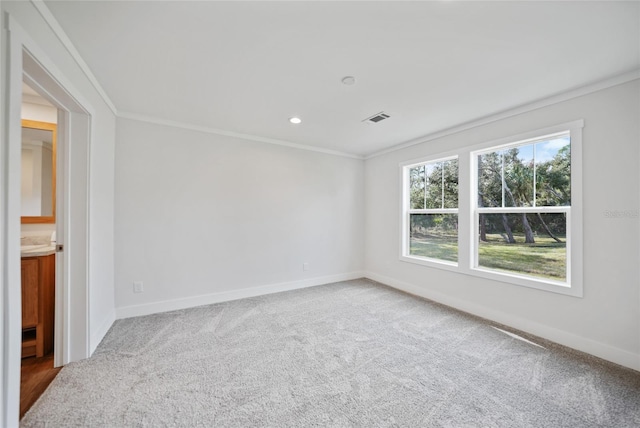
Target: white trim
216, 131
89, 135
575, 242
100, 332
433, 211
73, 342
439, 157
4, 368
524, 108
524, 137
35, 99
554, 99
11, 66
528, 141
225, 296
572, 286
430, 262
468, 212
55, 26
574, 341
523, 280
555, 209
406, 212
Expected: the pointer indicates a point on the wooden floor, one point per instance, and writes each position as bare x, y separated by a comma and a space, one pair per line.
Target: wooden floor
36, 374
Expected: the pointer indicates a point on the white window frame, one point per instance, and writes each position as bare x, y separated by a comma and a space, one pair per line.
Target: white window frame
468, 212
405, 250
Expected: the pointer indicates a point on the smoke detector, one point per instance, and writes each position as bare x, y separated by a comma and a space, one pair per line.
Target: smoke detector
378, 117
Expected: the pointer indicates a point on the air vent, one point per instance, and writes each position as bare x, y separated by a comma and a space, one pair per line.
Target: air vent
378, 117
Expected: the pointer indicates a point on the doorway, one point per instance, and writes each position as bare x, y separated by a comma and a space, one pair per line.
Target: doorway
37, 244
24, 61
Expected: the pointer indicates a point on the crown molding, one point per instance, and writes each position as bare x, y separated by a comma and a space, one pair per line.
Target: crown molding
524, 108
53, 23
544, 102
225, 133
70, 47
36, 99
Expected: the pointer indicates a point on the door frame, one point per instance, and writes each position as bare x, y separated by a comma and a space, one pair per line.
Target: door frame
23, 59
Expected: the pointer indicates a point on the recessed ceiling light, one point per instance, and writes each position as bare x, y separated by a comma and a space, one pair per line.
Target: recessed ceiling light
348, 80
295, 120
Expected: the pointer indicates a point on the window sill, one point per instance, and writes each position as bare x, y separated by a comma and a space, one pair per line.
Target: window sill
504, 277
527, 281
439, 264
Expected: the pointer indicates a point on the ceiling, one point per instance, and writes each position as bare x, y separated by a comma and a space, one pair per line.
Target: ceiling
29, 95
246, 67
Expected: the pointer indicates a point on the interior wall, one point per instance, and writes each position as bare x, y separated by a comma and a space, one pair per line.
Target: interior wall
39, 112
606, 321
101, 166
203, 215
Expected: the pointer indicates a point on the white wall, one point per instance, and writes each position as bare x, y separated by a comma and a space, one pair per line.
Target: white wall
205, 215
606, 321
101, 174
39, 112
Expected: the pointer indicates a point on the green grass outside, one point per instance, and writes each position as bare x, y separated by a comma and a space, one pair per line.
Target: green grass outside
546, 258
436, 245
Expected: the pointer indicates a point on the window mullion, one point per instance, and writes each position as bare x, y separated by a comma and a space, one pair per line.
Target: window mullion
434, 211
442, 188
535, 202
528, 210
502, 176
424, 193
465, 210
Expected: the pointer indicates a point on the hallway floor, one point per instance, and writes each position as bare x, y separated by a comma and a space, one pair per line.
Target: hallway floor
35, 376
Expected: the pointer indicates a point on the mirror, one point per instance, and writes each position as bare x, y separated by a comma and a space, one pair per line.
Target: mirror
38, 188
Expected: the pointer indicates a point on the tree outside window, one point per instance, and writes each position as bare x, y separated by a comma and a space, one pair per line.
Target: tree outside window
523, 199
433, 210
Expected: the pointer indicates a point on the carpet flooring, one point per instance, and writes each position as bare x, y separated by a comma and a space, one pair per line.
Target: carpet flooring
349, 354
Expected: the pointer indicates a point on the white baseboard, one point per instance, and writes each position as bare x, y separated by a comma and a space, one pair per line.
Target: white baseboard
589, 346
98, 335
225, 296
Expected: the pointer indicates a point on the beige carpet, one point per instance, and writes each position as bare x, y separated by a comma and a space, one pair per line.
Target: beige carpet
350, 354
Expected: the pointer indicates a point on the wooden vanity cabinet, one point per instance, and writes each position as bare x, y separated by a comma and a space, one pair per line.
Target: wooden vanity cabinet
31, 326
38, 297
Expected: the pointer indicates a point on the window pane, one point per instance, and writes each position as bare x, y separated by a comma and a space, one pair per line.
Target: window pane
416, 183
434, 236
531, 244
490, 179
518, 176
434, 185
553, 172
451, 183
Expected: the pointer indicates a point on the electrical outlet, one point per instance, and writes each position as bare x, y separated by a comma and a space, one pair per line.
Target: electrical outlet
138, 287
305, 266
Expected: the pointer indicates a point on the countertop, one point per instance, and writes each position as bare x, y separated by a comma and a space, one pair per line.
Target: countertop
37, 250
